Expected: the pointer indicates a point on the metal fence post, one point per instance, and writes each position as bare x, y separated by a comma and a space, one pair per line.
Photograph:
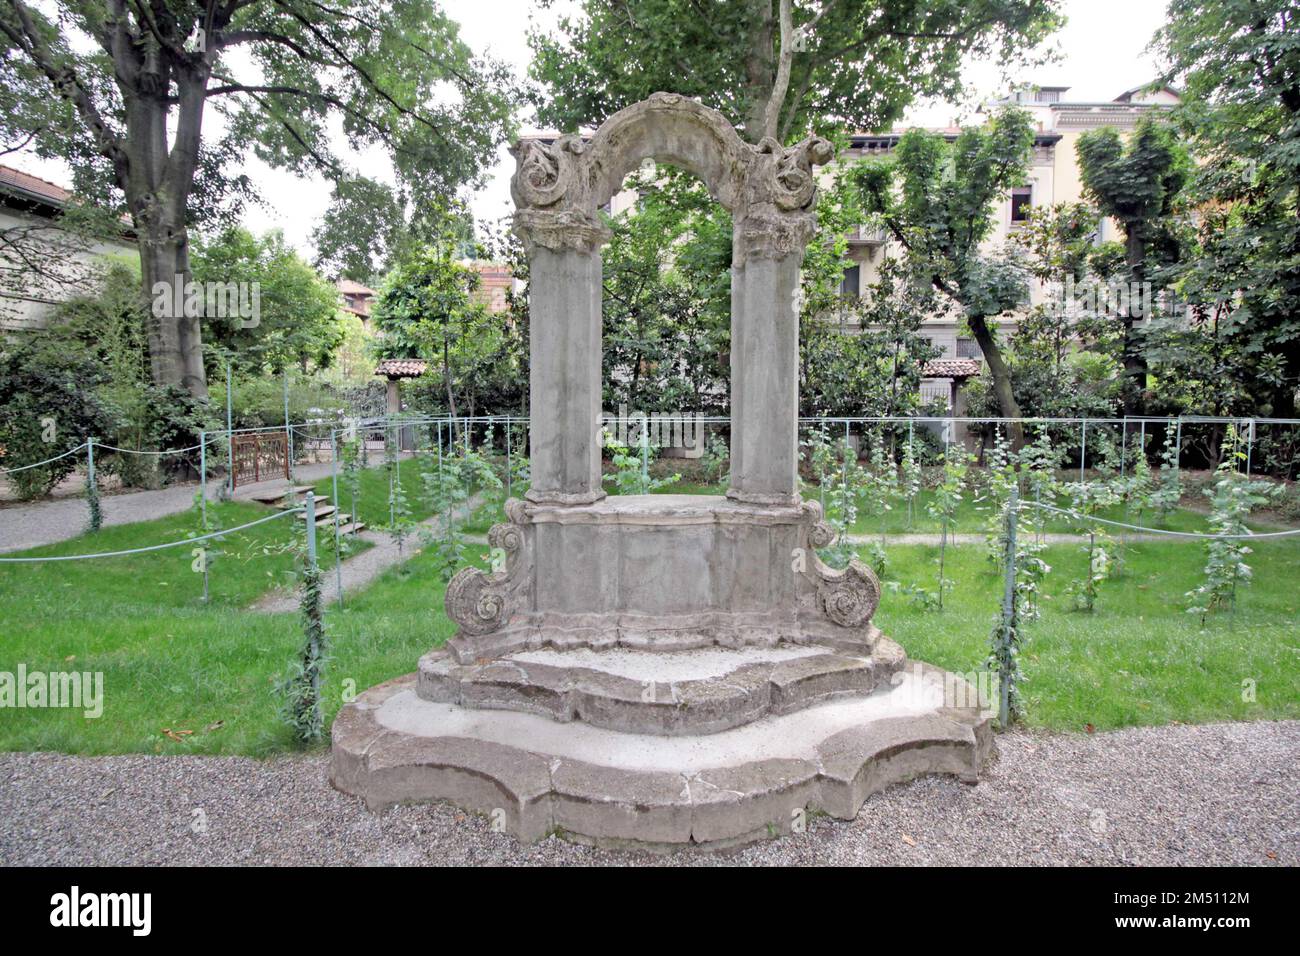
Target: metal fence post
288, 429
1083, 448
338, 549
309, 515
230, 439
92, 491
1008, 614
508, 466
1250, 444
1123, 451
203, 478
645, 459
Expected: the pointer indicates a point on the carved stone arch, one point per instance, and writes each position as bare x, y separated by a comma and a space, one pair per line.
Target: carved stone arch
669, 128
770, 190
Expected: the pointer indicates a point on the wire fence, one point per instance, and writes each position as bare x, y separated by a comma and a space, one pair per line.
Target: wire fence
46, 559
506, 438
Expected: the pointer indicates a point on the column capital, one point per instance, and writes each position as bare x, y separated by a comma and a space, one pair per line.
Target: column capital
560, 229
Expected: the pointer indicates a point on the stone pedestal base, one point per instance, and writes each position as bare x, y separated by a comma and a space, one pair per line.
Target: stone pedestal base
658, 670
543, 766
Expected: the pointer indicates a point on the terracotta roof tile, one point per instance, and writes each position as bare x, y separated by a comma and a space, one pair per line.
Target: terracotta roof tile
951, 368
28, 183
401, 368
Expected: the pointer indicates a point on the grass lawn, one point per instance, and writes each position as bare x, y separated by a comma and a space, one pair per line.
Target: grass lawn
371, 500
169, 661
1139, 658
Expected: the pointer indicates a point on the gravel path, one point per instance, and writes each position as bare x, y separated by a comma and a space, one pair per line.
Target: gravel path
963, 538
25, 526
1216, 794
360, 569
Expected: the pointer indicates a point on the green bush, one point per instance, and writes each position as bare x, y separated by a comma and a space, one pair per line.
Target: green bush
48, 405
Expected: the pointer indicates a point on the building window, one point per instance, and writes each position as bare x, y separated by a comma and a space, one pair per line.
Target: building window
849, 285
968, 348
1021, 202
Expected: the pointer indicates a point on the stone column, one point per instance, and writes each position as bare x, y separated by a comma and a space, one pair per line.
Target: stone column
564, 304
768, 253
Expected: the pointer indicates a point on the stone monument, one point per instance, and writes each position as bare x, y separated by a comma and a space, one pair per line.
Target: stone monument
663, 670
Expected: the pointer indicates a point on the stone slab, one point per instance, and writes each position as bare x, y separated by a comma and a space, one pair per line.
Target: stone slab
671, 693
537, 776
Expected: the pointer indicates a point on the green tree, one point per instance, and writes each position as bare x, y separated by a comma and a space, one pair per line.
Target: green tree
122, 91
773, 68
1137, 183
297, 321
937, 199
667, 300
427, 309
1061, 355
1239, 65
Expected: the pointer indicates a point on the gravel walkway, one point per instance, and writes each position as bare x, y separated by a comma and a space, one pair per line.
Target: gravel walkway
25, 526
964, 538
360, 569
1216, 794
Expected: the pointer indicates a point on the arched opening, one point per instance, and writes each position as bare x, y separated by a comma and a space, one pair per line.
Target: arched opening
768, 190
666, 326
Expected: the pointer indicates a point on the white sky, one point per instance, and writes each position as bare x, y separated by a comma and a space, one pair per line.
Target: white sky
1102, 53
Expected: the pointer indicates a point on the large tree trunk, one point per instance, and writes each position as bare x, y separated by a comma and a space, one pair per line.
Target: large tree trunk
1131, 357
1001, 375
760, 69
157, 186
175, 337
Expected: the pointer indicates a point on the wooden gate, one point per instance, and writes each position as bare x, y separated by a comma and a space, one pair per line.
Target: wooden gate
259, 456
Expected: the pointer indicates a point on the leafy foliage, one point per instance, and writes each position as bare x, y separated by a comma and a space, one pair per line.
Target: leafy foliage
1232, 497
860, 64
937, 199
49, 403
1238, 61
297, 309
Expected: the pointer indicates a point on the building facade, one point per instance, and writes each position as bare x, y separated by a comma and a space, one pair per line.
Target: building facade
1054, 177
43, 264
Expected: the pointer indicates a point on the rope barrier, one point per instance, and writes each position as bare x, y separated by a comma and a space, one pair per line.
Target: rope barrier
37, 464
154, 547
1159, 531
136, 451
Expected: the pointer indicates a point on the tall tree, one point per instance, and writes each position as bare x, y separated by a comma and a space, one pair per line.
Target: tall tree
427, 309
1137, 183
124, 89
1239, 64
773, 67
937, 201
297, 311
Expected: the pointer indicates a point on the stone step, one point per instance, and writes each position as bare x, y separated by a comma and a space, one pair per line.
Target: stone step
323, 512
278, 497
537, 777
351, 527
666, 692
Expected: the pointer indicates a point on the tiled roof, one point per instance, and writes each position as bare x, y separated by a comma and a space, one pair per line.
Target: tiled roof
40, 188
951, 368
401, 368
348, 287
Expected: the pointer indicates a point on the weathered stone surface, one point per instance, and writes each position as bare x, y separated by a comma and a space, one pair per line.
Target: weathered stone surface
667, 571
538, 784
752, 801
735, 696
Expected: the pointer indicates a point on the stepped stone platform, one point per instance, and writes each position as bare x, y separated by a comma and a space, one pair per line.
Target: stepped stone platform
534, 775
670, 693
